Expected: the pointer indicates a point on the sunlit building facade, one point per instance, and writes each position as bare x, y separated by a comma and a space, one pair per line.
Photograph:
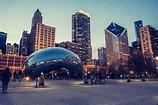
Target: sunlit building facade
14, 62
42, 36
81, 34
149, 41
116, 43
3, 38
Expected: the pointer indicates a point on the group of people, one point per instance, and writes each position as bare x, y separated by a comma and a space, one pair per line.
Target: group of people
5, 77
17, 75
96, 78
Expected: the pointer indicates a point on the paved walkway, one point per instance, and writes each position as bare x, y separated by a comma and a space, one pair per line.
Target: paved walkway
75, 93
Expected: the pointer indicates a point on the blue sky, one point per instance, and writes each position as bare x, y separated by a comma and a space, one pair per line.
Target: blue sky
16, 16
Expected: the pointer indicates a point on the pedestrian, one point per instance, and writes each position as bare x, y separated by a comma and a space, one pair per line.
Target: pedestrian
14, 76
99, 77
20, 75
5, 78
93, 77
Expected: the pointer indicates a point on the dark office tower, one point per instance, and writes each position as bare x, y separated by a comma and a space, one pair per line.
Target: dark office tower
81, 34
24, 44
116, 43
3, 38
149, 41
16, 49
102, 53
137, 25
37, 18
102, 56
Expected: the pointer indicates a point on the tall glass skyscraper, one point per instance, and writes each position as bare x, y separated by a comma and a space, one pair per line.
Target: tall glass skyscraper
116, 43
3, 38
137, 25
81, 34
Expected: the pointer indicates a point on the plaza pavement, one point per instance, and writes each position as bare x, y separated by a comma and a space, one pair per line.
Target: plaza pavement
74, 92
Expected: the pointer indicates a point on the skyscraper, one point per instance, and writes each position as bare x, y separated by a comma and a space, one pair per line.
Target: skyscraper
102, 56
102, 53
3, 38
37, 18
81, 34
16, 49
116, 43
24, 44
42, 36
137, 25
149, 41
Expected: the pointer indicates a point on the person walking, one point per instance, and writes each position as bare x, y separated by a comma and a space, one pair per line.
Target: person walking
14, 76
20, 75
93, 77
5, 78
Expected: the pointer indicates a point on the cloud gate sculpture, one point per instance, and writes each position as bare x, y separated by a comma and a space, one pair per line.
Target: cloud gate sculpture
51, 59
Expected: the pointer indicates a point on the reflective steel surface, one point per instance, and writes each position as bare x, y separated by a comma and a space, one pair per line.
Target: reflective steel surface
51, 59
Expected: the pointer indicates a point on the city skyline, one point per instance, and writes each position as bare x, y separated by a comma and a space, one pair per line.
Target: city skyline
16, 16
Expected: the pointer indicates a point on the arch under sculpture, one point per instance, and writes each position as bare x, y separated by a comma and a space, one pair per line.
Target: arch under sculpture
50, 59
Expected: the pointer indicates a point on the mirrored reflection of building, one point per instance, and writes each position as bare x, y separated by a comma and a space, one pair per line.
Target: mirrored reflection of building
116, 43
51, 59
74, 47
81, 34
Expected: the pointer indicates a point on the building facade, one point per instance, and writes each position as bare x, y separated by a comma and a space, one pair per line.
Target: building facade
116, 43
3, 38
12, 49
14, 62
81, 34
74, 47
42, 36
24, 44
149, 41
9, 48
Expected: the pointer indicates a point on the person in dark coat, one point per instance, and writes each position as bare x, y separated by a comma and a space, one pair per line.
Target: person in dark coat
14, 76
5, 78
20, 75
